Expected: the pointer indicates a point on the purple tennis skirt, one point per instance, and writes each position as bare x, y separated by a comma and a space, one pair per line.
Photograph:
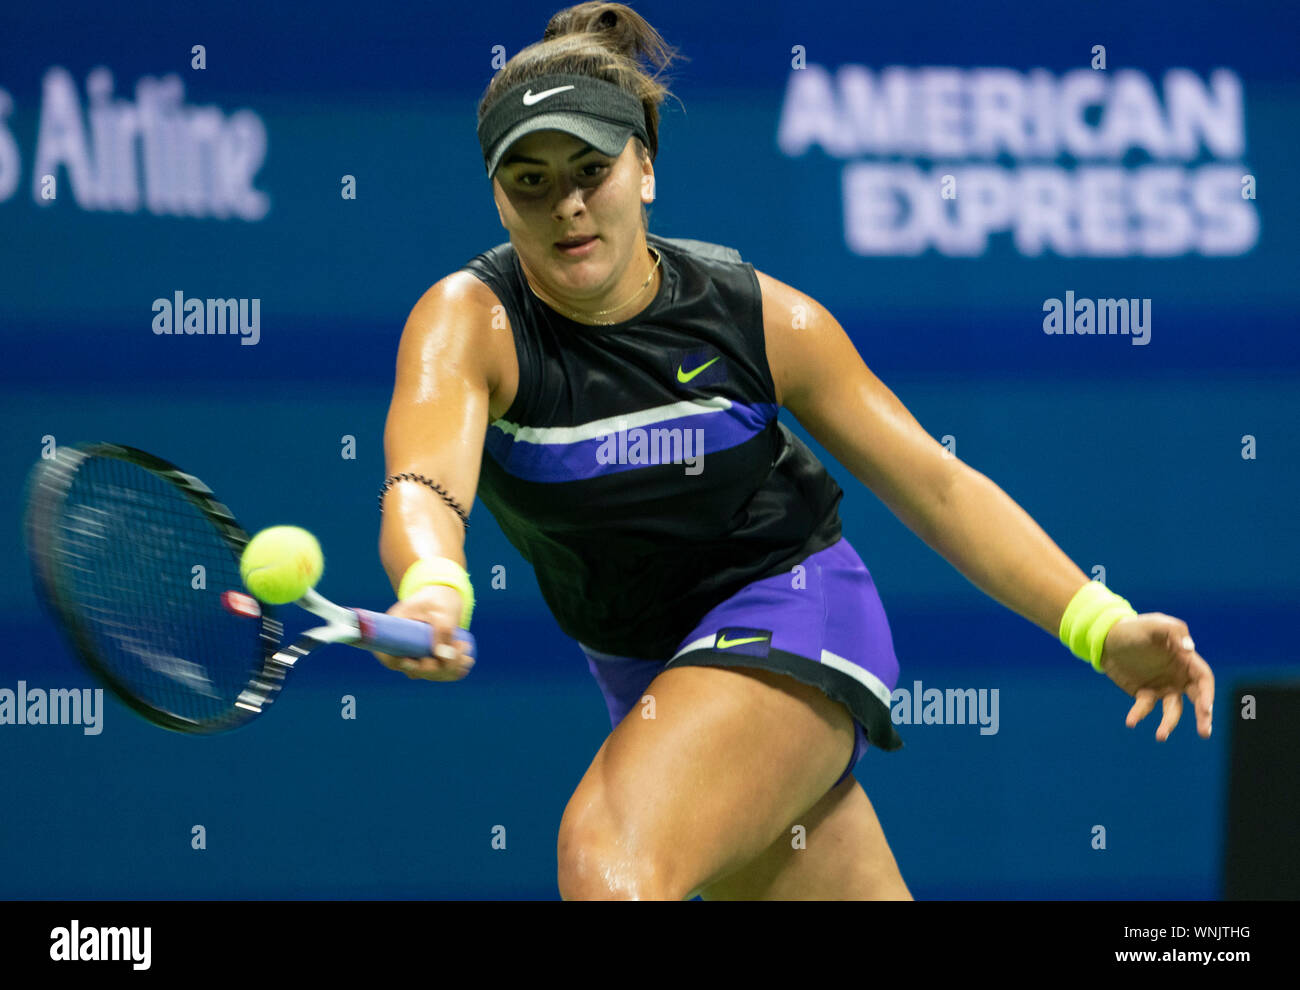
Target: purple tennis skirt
821, 623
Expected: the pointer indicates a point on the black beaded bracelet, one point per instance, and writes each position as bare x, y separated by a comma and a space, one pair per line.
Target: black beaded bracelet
389, 482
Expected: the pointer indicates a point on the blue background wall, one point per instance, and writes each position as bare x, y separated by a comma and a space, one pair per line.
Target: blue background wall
1129, 457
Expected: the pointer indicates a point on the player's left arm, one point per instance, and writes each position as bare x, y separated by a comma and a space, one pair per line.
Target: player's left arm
957, 511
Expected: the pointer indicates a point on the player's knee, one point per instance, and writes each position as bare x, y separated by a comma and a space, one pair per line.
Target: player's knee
596, 864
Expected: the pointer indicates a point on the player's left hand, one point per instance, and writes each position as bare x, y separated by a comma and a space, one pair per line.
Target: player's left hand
1152, 656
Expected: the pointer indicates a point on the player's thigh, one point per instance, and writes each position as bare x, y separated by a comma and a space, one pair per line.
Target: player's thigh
840, 853
674, 801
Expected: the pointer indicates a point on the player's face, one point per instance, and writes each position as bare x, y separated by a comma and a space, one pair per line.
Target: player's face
569, 189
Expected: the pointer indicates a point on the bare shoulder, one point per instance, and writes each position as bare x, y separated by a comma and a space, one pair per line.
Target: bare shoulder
794, 325
784, 304
456, 305
459, 322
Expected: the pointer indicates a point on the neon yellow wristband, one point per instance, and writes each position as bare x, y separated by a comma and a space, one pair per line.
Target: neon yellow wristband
439, 570
1089, 617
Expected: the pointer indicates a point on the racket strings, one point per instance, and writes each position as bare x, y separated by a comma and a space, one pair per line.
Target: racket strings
128, 546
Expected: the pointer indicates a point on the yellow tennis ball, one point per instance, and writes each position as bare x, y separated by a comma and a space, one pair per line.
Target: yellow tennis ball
280, 564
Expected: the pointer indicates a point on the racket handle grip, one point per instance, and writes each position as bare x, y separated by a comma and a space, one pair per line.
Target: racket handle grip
402, 637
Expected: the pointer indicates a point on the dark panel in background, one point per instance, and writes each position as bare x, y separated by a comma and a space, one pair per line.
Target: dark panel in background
1261, 858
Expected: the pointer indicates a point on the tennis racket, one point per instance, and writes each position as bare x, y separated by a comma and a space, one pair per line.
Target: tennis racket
139, 565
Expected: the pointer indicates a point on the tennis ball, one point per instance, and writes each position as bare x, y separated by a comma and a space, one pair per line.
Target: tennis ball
280, 564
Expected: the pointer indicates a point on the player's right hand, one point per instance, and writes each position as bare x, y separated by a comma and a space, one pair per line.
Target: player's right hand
439, 605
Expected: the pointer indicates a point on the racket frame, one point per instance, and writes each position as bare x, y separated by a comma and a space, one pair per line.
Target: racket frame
48, 488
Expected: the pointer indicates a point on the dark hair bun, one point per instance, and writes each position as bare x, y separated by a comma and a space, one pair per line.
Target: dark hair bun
598, 18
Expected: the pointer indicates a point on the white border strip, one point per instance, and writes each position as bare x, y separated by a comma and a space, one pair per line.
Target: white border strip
704, 643
613, 424
860, 674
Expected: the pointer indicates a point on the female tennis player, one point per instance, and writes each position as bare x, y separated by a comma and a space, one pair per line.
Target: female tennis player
612, 396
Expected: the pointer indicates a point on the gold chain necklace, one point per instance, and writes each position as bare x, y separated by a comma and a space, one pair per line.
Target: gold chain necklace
575, 316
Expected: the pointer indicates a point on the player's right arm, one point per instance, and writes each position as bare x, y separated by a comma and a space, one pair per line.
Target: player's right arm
447, 373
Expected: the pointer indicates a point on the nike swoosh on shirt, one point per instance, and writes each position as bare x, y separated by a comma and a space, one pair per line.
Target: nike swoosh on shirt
530, 99
686, 376
723, 642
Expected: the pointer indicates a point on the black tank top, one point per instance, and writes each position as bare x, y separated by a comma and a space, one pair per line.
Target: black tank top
641, 468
